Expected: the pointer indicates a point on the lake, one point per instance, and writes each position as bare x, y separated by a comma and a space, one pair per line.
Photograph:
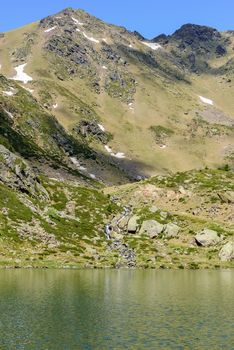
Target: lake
116, 309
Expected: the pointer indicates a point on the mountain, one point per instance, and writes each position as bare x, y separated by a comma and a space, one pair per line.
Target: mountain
88, 108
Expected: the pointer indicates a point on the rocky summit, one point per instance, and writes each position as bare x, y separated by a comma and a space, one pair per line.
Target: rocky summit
116, 150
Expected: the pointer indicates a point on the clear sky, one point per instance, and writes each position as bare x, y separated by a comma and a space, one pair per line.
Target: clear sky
149, 17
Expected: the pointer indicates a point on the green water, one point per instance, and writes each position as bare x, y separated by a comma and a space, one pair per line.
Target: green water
124, 309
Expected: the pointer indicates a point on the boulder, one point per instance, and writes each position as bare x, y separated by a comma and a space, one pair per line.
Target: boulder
207, 238
123, 222
153, 209
227, 252
227, 197
171, 230
133, 224
151, 228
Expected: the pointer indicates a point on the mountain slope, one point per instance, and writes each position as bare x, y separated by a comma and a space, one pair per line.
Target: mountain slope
86, 108
85, 70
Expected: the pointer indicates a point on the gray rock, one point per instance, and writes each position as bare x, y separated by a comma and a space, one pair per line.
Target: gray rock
153, 209
133, 224
227, 252
163, 214
171, 230
207, 238
16, 173
227, 197
123, 222
151, 228
88, 128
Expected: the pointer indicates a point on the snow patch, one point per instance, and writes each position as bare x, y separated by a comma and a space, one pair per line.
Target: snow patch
50, 29
104, 67
162, 146
130, 45
74, 161
105, 40
9, 114
29, 90
8, 93
206, 100
77, 22
109, 150
82, 168
55, 106
101, 127
77, 163
20, 75
118, 155
90, 38
153, 46
92, 176
77, 29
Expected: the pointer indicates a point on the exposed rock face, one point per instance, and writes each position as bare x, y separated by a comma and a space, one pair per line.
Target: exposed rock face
17, 174
171, 230
193, 44
207, 238
151, 228
133, 224
66, 47
227, 252
192, 34
227, 197
88, 128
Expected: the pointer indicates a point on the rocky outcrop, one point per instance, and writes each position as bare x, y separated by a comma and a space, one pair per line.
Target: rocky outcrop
227, 197
192, 34
16, 173
207, 238
67, 48
227, 252
151, 228
171, 230
90, 128
133, 224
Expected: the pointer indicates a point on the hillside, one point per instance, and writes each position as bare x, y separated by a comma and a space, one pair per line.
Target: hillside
115, 150
86, 72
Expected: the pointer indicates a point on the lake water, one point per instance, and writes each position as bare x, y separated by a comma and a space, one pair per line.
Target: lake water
122, 309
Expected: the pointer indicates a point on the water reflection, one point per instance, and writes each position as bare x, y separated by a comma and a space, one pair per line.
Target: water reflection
123, 309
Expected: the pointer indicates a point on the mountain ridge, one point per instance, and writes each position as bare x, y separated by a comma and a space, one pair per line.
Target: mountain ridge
96, 119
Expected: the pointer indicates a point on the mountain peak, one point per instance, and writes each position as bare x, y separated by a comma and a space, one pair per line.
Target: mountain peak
196, 31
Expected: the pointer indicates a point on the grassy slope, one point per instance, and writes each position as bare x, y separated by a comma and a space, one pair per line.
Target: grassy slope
68, 228
158, 101
65, 230
189, 199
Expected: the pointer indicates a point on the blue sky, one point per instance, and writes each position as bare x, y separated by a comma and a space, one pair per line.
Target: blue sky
149, 17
